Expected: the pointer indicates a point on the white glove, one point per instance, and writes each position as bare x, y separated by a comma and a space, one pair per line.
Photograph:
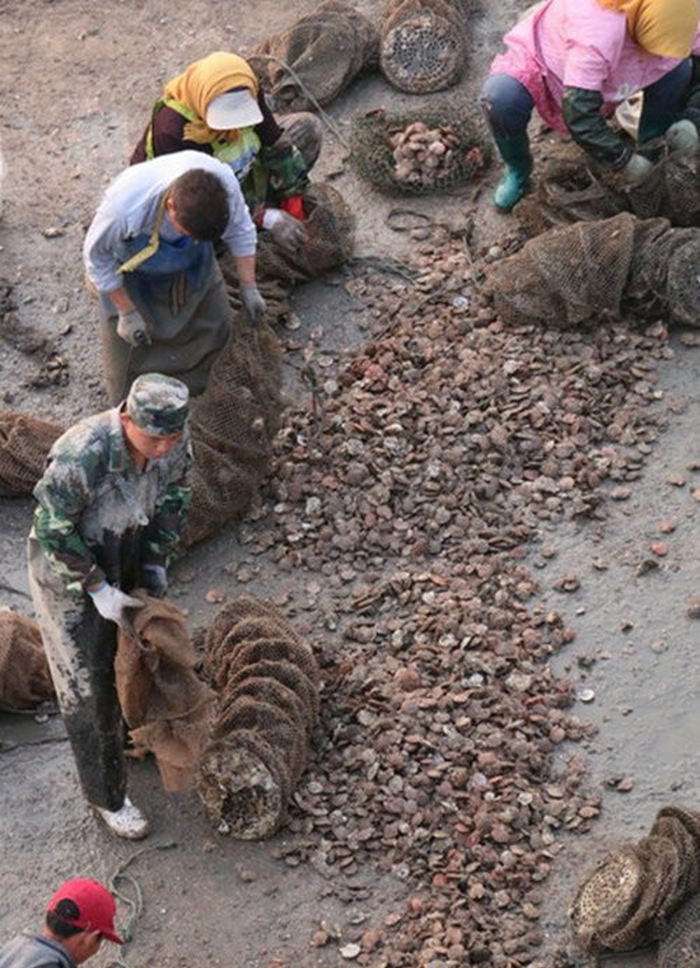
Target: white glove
132, 328
636, 170
287, 231
253, 302
111, 602
155, 579
682, 136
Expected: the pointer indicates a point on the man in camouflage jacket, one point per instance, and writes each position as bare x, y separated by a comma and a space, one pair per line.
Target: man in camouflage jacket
111, 508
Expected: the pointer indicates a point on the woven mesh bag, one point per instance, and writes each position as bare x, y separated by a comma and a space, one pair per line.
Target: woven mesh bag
372, 152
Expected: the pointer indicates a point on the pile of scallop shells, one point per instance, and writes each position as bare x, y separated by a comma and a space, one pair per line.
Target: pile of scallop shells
405, 500
422, 154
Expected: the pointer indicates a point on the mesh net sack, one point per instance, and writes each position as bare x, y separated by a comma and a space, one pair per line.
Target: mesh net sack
265, 677
681, 946
25, 680
422, 44
672, 190
629, 898
328, 242
376, 155
571, 187
325, 50
24, 445
595, 270
166, 706
233, 423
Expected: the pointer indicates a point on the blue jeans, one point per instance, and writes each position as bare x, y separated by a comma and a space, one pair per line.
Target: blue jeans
507, 104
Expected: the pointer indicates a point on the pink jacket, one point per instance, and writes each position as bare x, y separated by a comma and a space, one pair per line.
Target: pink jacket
578, 43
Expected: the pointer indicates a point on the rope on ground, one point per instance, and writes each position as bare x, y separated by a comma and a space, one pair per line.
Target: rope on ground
135, 902
325, 117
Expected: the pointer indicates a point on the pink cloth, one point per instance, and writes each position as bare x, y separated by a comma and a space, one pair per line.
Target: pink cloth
578, 43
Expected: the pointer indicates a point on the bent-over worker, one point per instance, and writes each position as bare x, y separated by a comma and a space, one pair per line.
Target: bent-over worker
574, 60
79, 916
216, 106
111, 508
149, 253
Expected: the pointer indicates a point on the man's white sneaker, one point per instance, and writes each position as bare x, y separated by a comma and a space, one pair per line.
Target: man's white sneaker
127, 822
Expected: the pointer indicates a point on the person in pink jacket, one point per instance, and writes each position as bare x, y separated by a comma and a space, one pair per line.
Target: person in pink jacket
574, 61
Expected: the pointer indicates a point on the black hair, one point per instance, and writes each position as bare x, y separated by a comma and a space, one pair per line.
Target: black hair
201, 204
55, 919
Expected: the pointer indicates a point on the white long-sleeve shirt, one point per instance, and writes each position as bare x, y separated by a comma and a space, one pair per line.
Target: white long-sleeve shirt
130, 205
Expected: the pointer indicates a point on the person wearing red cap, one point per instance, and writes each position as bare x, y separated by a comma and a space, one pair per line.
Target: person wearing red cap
78, 916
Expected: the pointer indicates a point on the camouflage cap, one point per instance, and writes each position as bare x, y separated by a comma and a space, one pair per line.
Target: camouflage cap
158, 404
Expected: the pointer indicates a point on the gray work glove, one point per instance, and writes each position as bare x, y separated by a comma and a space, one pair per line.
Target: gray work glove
636, 170
131, 327
111, 602
154, 578
253, 302
287, 231
682, 136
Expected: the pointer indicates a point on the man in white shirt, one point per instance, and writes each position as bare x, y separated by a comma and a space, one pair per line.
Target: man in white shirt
149, 253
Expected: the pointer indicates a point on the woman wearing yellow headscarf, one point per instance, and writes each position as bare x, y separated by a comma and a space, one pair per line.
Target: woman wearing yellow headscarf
574, 60
215, 106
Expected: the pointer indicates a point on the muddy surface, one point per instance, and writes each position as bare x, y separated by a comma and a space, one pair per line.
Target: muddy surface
79, 80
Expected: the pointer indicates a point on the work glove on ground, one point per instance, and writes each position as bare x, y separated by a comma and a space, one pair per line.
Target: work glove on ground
131, 327
287, 231
682, 136
154, 579
636, 170
112, 603
253, 302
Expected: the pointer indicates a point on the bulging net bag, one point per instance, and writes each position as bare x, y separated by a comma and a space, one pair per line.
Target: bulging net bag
628, 900
328, 242
596, 270
25, 680
422, 44
233, 424
267, 683
435, 150
681, 946
325, 50
672, 190
24, 445
571, 187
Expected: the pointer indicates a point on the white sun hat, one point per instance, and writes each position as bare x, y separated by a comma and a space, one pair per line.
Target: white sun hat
234, 109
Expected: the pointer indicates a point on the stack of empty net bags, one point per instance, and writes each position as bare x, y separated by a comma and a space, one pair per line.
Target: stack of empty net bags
164, 703
327, 243
25, 680
266, 679
628, 900
24, 443
422, 44
311, 62
598, 270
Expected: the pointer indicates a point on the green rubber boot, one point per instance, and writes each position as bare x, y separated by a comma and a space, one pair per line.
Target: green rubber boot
515, 152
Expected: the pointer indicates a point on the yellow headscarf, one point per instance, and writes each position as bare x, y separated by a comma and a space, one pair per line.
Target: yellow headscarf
204, 80
665, 28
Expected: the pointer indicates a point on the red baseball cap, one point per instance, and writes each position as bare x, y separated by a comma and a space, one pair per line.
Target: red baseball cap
95, 904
